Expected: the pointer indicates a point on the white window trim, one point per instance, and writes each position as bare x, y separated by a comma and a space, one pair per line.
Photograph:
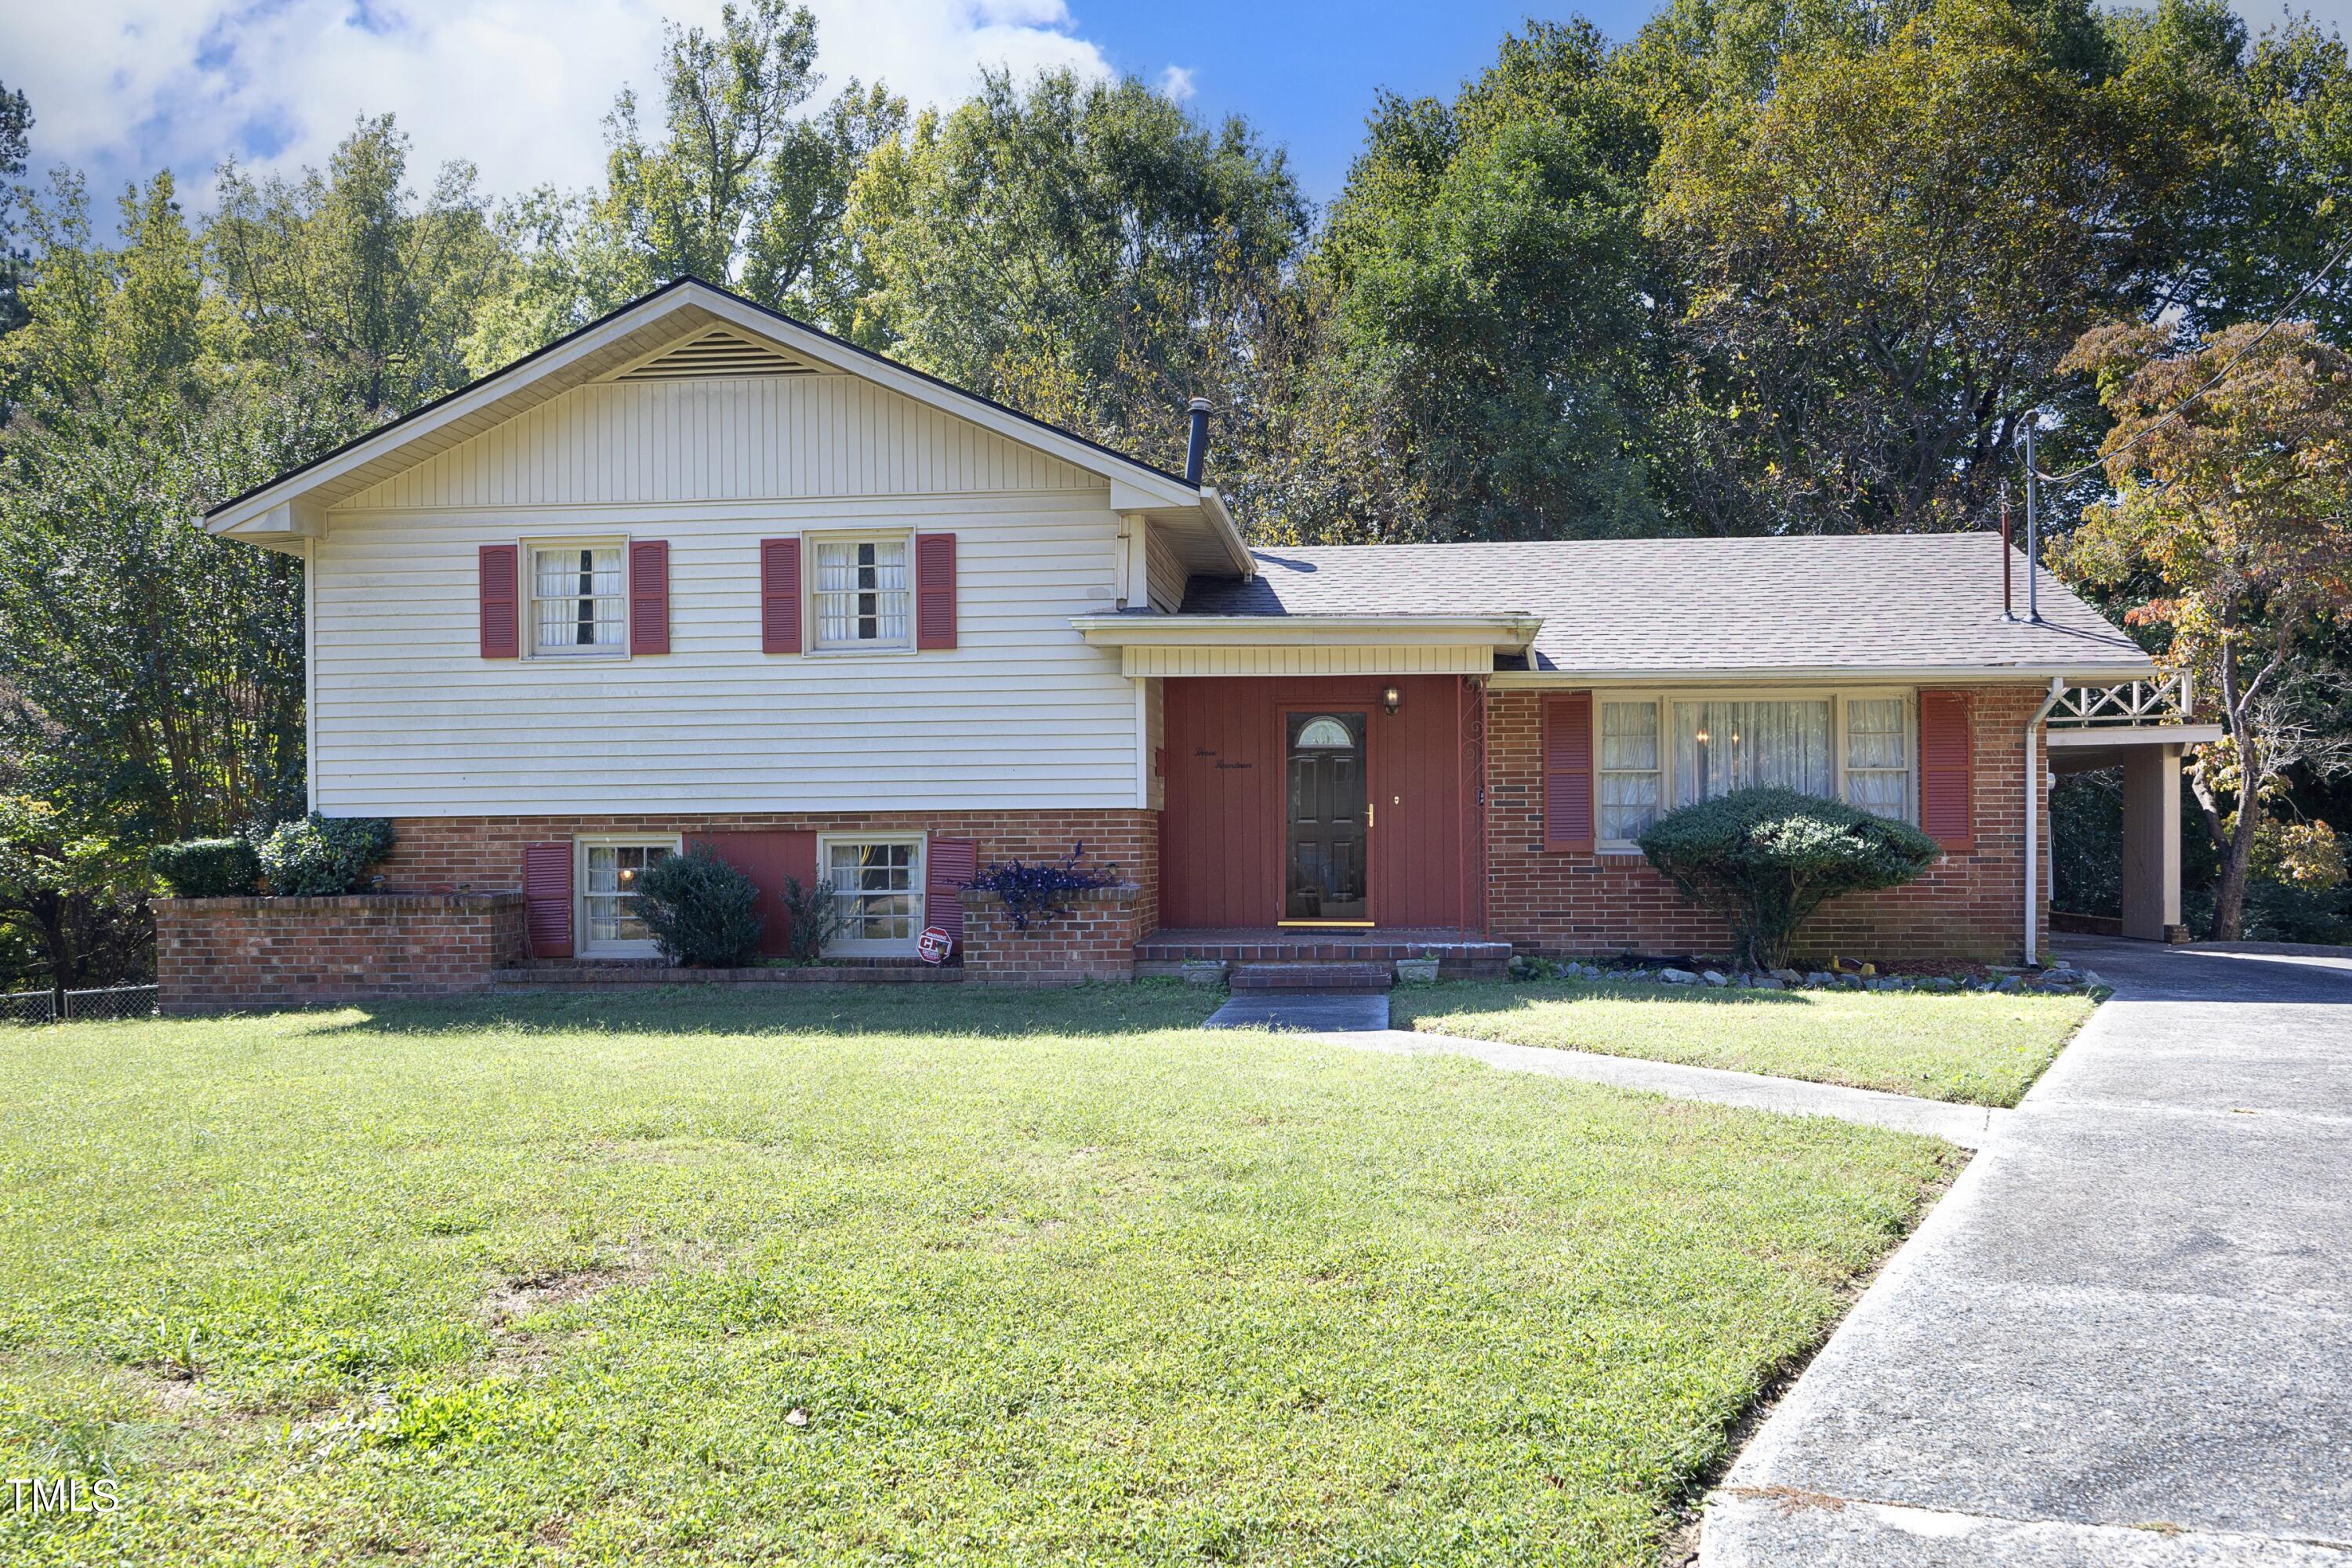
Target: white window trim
1837, 697
526, 634
811, 545
855, 947
581, 845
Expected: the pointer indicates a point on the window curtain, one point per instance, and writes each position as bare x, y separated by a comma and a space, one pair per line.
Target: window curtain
1877, 764
1723, 746
1629, 768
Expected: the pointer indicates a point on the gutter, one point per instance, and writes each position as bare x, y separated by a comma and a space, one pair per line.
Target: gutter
2033, 816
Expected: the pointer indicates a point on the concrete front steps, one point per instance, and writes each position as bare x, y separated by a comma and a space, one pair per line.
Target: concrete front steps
1311, 958
1358, 975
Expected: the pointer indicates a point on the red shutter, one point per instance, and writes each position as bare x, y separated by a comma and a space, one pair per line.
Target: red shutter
497, 571
952, 863
1568, 771
1947, 770
780, 595
935, 589
648, 595
546, 899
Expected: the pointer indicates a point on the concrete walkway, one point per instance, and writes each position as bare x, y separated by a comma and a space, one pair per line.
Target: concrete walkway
2126, 1335
1968, 1125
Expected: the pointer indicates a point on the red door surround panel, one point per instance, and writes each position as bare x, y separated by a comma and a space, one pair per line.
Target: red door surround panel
1222, 851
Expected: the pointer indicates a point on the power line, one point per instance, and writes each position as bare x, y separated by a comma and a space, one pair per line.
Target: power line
2284, 315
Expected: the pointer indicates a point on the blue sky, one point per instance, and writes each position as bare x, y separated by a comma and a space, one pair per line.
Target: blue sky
120, 88
1307, 75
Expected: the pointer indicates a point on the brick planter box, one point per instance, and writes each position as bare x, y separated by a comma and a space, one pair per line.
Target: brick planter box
557, 976
221, 954
1096, 941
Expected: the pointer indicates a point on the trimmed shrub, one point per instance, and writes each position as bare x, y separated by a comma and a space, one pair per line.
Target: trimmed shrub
1765, 859
699, 909
208, 868
815, 917
320, 857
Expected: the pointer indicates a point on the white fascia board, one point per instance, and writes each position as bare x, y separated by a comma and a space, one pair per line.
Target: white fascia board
2089, 736
1818, 674
1327, 631
1229, 533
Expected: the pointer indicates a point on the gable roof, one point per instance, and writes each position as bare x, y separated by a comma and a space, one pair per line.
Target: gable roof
651, 331
1899, 604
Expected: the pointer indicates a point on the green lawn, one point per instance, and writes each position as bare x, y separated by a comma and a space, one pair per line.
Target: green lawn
885, 1277
1980, 1048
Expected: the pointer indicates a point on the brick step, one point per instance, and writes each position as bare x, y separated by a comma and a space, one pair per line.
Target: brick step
1356, 976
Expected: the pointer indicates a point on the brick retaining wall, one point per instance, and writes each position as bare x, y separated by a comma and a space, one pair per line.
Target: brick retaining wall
217, 954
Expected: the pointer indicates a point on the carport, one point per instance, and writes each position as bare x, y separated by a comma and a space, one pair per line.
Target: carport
2142, 728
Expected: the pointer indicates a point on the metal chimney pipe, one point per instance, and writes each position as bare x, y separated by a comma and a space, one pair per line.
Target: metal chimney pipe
2032, 531
2007, 606
1196, 450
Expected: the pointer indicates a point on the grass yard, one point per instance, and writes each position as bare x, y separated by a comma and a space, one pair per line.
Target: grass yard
1979, 1049
884, 1277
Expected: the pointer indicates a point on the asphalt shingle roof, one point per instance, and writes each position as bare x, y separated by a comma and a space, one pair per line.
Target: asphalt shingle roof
1668, 606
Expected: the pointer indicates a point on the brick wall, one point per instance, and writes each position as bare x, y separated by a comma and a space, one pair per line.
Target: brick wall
1096, 941
213, 955
1967, 906
449, 854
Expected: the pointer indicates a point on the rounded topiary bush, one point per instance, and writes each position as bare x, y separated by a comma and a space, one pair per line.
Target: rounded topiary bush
208, 868
1766, 859
320, 857
699, 909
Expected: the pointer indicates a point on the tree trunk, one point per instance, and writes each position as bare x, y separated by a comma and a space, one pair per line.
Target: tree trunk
2237, 861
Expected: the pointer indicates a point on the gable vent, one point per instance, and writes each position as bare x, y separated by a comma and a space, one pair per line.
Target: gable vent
718, 353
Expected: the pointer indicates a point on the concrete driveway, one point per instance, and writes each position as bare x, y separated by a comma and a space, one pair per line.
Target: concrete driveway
2126, 1335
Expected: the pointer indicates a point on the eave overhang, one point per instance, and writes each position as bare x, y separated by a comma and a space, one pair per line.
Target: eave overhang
1509, 633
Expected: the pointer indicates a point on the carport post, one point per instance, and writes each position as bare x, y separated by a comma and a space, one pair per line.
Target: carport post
2152, 842
2033, 769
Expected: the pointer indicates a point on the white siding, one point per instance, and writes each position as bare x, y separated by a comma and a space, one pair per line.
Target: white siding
1165, 573
748, 438
409, 720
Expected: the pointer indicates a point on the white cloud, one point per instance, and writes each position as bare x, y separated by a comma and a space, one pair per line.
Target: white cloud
1176, 82
119, 87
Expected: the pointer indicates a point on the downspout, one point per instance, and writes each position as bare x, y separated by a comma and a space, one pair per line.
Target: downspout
2033, 816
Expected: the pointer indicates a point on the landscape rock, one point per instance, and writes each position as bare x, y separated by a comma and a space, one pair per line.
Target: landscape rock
1678, 977
1716, 977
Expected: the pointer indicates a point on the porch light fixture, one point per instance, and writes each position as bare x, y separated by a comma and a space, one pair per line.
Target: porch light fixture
1391, 698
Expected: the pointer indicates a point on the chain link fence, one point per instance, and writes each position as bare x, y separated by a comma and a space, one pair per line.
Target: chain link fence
113, 1002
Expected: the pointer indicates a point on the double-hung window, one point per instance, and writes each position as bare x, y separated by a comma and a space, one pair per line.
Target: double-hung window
877, 886
1632, 779
1878, 755
579, 601
864, 595
609, 873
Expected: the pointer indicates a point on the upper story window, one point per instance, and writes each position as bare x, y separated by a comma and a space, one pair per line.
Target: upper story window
864, 592
1655, 752
579, 600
